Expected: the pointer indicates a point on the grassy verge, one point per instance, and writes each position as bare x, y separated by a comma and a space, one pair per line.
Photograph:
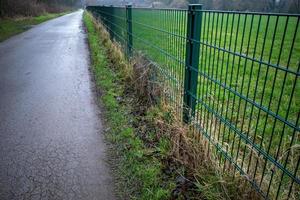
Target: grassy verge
137, 168
10, 27
247, 95
155, 157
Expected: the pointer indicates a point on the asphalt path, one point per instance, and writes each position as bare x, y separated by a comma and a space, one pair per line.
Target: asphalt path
51, 146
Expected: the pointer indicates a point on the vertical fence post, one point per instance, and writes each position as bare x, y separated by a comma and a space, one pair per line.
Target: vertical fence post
192, 61
111, 21
129, 30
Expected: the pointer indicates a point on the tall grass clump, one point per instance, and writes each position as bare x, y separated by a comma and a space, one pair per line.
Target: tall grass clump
157, 156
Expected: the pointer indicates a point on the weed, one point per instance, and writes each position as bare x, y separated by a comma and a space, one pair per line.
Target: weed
157, 158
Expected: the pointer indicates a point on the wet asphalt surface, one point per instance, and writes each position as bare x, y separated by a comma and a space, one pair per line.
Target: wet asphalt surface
51, 145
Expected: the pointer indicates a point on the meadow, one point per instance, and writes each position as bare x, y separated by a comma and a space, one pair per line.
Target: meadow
248, 94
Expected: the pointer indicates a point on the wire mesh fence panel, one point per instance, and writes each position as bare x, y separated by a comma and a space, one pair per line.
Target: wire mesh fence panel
160, 35
114, 20
247, 91
248, 98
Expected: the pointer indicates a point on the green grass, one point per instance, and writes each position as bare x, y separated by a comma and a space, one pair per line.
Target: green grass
274, 89
140, 174
10, 27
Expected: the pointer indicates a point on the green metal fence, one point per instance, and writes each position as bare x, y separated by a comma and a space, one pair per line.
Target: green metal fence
234, 76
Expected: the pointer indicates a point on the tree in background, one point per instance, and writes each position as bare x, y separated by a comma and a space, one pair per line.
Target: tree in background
292, 6
11, 8
58, 2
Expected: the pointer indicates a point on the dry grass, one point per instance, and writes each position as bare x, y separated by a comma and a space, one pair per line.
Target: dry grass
193, 151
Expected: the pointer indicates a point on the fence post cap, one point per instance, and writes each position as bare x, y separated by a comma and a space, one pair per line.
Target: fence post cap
195, 6
128, 5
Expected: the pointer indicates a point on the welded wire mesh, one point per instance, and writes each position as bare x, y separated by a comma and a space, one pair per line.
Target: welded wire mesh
248, 93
